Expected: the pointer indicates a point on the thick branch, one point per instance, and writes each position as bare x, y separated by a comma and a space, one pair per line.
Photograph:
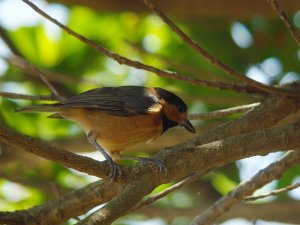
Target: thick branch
214, 154
43, 149
181, 162
130, 196
70, 205
283, 107
256, 119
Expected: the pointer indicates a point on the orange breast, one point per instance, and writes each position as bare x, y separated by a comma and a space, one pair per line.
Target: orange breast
116, 133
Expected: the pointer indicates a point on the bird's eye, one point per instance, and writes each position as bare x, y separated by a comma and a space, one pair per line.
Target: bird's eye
181, 108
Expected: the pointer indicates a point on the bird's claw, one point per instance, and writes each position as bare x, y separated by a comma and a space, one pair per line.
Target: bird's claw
158, 163
115, 171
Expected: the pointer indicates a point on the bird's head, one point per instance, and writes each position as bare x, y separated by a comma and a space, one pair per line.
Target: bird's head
174, 111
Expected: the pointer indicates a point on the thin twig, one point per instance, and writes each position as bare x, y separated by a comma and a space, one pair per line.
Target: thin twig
51, 76
8, 42
264, 176
18, 58
174, 63
223, 112
278, 9
185, 181
213, 60
275, 192
25, 63
138, 65
27, 97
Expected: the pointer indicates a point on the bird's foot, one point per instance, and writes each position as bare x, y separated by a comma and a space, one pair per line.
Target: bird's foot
115, 171
157, 163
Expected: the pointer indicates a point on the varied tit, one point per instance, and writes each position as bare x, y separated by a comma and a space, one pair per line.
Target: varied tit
115, 118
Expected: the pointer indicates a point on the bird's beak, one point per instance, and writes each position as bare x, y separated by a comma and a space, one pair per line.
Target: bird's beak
187, 125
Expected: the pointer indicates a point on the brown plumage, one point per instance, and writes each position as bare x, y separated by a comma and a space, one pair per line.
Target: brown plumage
116, 118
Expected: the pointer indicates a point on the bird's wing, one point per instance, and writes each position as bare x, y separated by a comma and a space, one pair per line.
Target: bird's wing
123, 101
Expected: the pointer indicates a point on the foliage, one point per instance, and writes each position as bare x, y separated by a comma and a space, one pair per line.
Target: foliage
146, 38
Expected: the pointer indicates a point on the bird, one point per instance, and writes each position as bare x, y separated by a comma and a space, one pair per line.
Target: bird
116, 118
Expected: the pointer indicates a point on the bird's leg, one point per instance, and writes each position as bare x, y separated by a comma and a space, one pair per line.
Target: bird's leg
160, 164
115, 169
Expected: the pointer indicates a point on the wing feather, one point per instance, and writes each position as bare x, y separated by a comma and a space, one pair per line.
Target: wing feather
124, 101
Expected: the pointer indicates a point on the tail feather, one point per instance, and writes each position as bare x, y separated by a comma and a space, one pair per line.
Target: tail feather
38, 108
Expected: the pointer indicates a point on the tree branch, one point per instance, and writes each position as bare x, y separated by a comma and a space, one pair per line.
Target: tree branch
184, 159
8, 42
227, 10
17, 57
222, 112
65, 207
188, 180
199, 158
27, 97
278, 9
138, 65
255, 119
43, 149
275, 192
270, 173
51, 76
284, 211
213, 60
198, 154
24, 63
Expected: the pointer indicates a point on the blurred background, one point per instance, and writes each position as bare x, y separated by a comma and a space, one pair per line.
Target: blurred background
247, 35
